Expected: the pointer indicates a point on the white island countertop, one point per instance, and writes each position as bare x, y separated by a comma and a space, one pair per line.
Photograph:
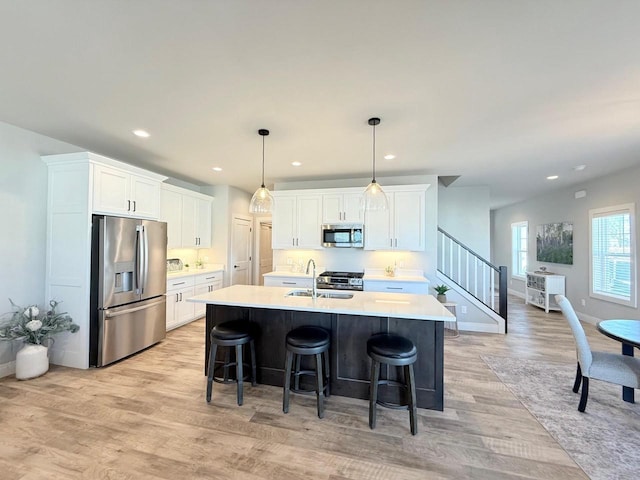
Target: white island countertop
371, 304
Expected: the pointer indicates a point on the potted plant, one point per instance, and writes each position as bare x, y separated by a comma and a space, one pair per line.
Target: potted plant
441, 290
36, 330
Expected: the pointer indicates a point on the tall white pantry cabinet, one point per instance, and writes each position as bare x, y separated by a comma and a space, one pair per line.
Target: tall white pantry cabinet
79, 185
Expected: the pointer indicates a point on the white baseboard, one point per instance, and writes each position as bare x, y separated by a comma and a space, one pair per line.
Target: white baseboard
7, 369
588, 318
516, 293
478, 327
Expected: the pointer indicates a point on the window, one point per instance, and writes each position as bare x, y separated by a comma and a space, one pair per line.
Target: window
519, 239
613, 262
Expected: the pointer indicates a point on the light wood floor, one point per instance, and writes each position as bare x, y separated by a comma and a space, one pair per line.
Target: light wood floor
146, 417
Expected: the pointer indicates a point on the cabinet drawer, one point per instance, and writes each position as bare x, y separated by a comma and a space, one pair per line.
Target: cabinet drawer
208, 277
396, 287
288, 282
181, 282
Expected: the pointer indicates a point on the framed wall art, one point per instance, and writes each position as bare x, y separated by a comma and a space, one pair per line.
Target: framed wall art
554, 243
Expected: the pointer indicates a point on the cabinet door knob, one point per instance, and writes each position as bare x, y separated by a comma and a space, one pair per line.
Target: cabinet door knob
134, 205
128, 205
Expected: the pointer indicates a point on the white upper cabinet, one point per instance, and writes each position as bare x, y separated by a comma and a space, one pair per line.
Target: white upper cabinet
171, 212
341, 208
402, 227
119, 192
188, 217
296, 221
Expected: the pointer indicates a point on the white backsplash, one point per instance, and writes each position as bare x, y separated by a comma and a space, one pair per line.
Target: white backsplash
350, 259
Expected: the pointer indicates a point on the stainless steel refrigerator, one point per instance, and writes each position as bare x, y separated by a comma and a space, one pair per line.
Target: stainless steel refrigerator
128, 286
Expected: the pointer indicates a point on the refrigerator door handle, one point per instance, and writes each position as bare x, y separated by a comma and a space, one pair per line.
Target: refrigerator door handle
109, 314
145, 267
139, 260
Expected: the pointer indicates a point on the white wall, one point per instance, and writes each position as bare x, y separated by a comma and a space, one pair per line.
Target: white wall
562, 206
228, 201
464, 213
23, 197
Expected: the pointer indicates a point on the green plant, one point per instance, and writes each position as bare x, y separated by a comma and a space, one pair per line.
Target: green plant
32, 326
441, 289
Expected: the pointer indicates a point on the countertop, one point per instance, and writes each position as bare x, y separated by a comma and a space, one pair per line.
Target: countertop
401, 275
195, 271
376, 275
372, 304
281, 273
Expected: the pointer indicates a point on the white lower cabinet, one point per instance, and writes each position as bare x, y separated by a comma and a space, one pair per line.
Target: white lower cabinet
179, 290
292, 282
179, 311
396, 286
206, 283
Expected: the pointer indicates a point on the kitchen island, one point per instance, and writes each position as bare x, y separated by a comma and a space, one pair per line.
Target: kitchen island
351, 322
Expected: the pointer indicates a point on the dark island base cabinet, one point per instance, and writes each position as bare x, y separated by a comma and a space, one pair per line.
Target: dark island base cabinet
350, 364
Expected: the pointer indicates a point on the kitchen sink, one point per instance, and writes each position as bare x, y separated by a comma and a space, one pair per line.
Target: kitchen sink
345, 296
299, 293
308, 293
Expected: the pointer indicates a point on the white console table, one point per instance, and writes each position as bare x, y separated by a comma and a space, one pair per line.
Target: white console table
541, 288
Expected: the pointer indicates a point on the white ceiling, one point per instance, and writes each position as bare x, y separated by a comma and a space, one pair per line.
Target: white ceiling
501, 92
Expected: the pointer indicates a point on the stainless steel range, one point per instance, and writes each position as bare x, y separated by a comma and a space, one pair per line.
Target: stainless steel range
340, 280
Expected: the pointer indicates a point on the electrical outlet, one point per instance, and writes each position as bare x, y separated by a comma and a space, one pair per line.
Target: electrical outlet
583, 302
206, 259
289, 261
510, 282
463, 309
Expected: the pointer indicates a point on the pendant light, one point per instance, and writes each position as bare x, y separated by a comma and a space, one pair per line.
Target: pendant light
373, 197
262, 200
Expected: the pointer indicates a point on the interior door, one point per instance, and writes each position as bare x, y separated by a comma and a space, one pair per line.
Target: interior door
241, 251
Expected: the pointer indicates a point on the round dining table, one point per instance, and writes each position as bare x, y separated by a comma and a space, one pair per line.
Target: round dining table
626, 332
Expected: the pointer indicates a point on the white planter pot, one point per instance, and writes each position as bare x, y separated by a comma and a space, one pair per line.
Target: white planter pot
31, 361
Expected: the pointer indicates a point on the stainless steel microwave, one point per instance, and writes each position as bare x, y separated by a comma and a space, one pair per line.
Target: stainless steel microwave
343, 235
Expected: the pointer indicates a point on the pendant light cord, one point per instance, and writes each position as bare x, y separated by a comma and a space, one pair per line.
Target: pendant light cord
374, 154
263, 161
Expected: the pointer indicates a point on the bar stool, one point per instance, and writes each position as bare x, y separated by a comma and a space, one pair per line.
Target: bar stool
397, 351
307, 341
235, 333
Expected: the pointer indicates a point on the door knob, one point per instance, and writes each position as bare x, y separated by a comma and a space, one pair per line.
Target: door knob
235, 266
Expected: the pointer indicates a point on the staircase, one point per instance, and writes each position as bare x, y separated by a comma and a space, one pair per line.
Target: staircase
473, 276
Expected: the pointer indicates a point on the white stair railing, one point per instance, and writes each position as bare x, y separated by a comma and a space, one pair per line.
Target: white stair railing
477, 276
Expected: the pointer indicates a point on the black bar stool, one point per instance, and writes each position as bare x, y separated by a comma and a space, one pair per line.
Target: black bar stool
307, 341
235, 333
397, 351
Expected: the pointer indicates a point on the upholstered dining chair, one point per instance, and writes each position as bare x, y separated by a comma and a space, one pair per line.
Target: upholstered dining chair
610, 367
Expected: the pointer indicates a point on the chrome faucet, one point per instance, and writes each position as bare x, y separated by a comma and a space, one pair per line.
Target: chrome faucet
314, 291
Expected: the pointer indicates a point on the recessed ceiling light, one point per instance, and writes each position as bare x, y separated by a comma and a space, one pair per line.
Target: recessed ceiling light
389, 157
296, 164
141, 133
579, 168
216, 169
552, 177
